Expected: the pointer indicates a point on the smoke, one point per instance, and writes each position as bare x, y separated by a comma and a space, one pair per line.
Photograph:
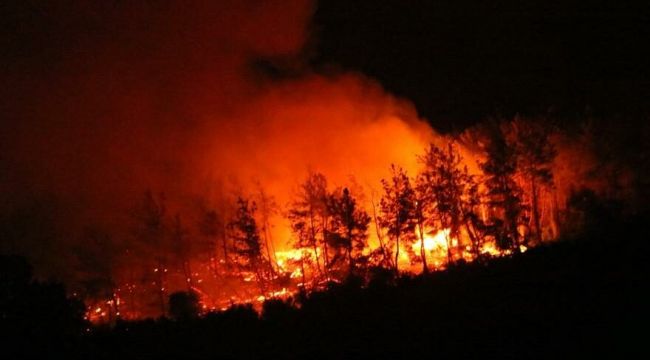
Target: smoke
103, 101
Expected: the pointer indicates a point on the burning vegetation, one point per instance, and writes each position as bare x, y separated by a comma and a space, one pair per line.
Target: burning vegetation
489, 192
178, 159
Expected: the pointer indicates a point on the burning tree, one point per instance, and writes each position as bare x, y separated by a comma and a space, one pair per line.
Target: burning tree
267, 207
348, 232
398, 205
534, 155
380, 257
309, 218
450, 195
503, 193
247, 245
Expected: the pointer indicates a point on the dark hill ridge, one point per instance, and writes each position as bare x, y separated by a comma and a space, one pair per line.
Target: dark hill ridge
573, 298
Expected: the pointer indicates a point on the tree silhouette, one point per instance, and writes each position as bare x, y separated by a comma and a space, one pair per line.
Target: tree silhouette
213, 227
398, 210
534, 154
470, 207
349, 228
504, 195
381, 256
97, 265
151, 231
449, 193
267, 208
247, 243
309, 217
183, 250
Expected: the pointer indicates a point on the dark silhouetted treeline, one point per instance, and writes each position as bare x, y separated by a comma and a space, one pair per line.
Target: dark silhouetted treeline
36, 318
580, 297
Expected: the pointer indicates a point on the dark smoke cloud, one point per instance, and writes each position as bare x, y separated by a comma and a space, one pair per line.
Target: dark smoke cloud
103, 100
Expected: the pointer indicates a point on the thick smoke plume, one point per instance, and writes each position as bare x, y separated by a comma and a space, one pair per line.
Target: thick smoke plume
102, 102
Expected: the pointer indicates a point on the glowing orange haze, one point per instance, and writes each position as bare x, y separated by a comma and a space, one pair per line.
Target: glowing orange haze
345, 127
149, 100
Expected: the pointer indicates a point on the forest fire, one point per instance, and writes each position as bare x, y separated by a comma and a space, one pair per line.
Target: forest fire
289, 179
295, 265
248, 245
313, 203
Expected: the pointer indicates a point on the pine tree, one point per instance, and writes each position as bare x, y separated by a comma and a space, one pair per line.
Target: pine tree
504, 195
349, 227
534, 154
449, 192
398, 210
247, 245
309, 217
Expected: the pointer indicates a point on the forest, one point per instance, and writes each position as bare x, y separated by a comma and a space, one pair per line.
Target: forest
497, 189
522, 253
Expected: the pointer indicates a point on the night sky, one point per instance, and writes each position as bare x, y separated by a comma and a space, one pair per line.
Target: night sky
460, 61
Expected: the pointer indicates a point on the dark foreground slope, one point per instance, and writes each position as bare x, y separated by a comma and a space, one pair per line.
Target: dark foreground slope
576, 298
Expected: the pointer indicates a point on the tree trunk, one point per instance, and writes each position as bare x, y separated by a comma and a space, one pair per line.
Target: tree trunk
450, 257
555, 217
326, 260
535, 210
313, 240
423, 253
476, 250
349, 248
397, 255
268, 249
380, 236
350, 261
302, 272
224, 241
